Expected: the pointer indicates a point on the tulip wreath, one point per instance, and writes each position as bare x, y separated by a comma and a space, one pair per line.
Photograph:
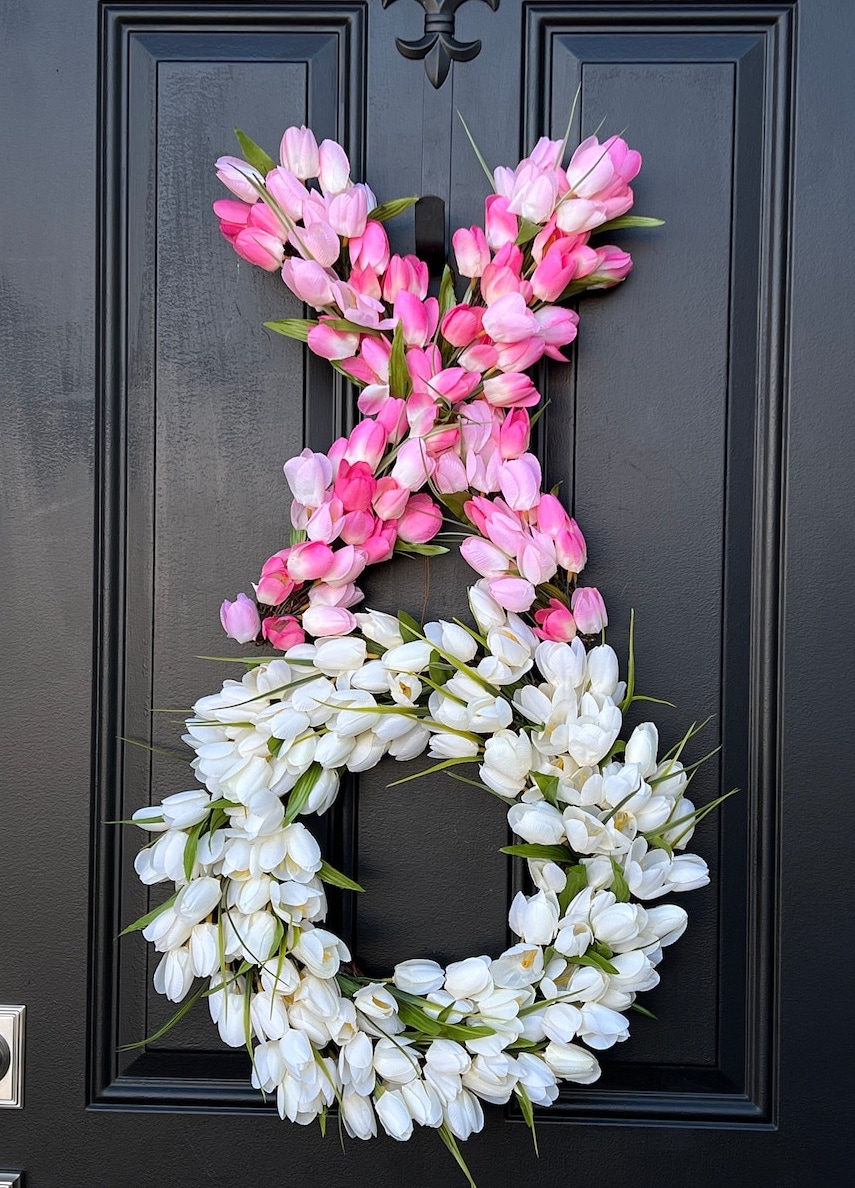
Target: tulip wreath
523, 701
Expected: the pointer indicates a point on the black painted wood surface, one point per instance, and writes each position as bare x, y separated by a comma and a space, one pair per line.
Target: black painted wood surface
701, 433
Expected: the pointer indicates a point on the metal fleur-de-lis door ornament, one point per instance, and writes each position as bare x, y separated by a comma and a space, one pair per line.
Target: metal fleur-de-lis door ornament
439, 47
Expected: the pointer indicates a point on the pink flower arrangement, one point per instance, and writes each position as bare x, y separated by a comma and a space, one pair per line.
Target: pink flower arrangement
444, 397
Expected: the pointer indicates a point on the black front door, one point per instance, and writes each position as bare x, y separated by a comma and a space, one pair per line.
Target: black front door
699, 434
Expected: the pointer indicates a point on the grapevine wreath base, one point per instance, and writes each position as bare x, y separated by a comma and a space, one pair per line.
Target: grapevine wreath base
523, 701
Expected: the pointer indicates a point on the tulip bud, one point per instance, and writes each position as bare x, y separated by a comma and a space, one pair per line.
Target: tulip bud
240, 619
283, 631
242, 179
418, 976
298, 152
589, 610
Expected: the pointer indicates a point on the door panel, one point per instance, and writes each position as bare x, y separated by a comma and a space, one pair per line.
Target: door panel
150, 412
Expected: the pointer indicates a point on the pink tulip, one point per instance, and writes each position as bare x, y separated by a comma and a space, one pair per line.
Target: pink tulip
515, 433
326, 522
479, 425
405, 272
519, 482
501, 226
357, 527
389, 499
611, 266
484, 557
519, 356
413, 466
380, 545
484, 468
576, 216
501, 279
481, 356
243, 181
546, 154
371, 365
309, 281
275, 583
535, 193
262, 217
450, 473
421, 521
557, 327
392, 415
316, 241
462, 324
332, 344
233, 216
365, 281
511, 390
570, 547
453, 383
347, 564
328, 620
283, 631
371, 248
555, 271
265, 251
471, 251
322, 594
309, 560
589, 610
298, 152
240, 619
551, 516
512, 593
418, 318
309, 475
495, 520
355, 485
536, 558
555, 622
348, 212
334, 167
509, 319
288, 192
602, 172
366, 443
422, 411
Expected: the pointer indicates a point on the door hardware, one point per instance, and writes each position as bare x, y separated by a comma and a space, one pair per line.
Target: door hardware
11, 1058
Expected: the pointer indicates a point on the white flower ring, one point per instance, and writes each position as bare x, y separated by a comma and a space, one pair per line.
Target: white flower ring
523, 698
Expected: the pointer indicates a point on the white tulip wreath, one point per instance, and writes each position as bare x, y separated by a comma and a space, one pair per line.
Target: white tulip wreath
525, 701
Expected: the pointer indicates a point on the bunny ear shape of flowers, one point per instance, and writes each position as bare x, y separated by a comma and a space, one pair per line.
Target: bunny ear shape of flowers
525, 701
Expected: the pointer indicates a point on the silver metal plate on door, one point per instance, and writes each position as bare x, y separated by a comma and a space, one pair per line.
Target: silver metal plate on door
11, 1179
11, 1063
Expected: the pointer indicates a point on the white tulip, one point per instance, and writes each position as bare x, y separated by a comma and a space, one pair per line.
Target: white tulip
409, 657
488, 614
535, 918
249, 895
404, 687
382, 629
616, 923
571, 1063
357, 713
603, 672
355, 1064
418, 976
423, 1102
367, 752
279, 976
602, 1027
344, 653
464, 1115
586, 985
590, 737
150, 818
185, 809
321, 952
289, 724
547, 876
204, 950
373, 677
507, 761
521, 965
469, 978
358, 1116
164, 860
539, 823
451, 746
394, 1115
533, 704
269, 1016
451, 638
667, 923
682, 824
513, 644
294, 902
641, 748
585, 831
394, 1061
562, 664
333, 749
323, 793
226, 1005
303, 857
174, 974
537, 1078
375, 1001
493, 1079
411, 744
688, 871
561, 1022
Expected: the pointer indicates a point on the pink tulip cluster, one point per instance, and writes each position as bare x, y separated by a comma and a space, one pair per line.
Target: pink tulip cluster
454, 421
